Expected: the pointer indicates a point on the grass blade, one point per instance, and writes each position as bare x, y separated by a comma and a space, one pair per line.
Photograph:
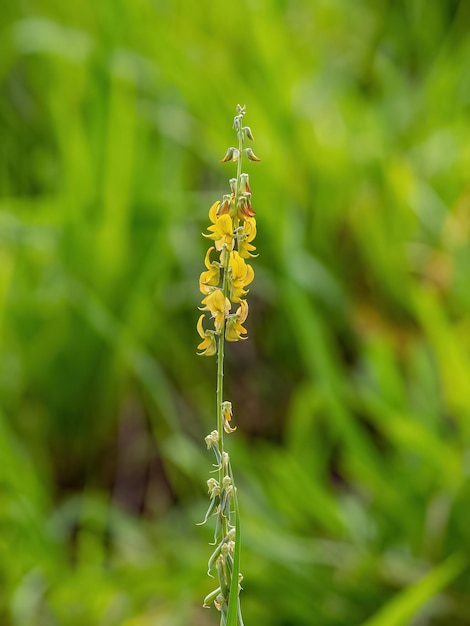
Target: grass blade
404, 606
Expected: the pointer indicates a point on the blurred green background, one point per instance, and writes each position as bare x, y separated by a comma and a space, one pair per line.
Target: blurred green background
352, 394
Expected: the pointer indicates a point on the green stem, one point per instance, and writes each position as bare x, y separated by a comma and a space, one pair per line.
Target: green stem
239, 163
221, 342
220, 375
231, 613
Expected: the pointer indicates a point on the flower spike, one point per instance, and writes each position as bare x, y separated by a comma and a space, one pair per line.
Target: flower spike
224, 283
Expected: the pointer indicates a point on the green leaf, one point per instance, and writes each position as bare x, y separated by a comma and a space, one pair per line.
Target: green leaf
405, 605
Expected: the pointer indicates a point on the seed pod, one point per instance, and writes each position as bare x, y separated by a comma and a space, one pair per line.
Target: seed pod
209, 599
210, 510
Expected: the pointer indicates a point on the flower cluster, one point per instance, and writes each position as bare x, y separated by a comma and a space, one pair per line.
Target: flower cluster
225, 281
224, 285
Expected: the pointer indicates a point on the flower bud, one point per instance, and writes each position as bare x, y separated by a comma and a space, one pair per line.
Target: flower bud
225, 206
212, 439
231, 155
225, 461
245, 183
214, 487
244, 206
248, 132
250, 154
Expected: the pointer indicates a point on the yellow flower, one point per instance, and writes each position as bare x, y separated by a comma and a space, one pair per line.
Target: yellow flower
246, 234
218, 306
209, 344
240, 275
210, 278
234, 328
221, 229
213, 211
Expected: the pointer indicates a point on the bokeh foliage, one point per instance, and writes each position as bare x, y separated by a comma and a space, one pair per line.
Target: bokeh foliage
352, 394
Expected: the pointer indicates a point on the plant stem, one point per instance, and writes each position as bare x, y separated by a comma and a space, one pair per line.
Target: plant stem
227, 470
221, 341
220, 389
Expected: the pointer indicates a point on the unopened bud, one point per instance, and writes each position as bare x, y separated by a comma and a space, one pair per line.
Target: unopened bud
212, 439
225, 461
251, 155
245, 183
214, 488
219, 601
248, 133
231, 155
225, 206
244, 206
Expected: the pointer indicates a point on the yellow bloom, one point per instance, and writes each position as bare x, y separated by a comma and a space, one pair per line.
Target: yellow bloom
221, 231
213, 211
210, 278
209, 344
218, 306
246, 234
240, 275
234, 328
